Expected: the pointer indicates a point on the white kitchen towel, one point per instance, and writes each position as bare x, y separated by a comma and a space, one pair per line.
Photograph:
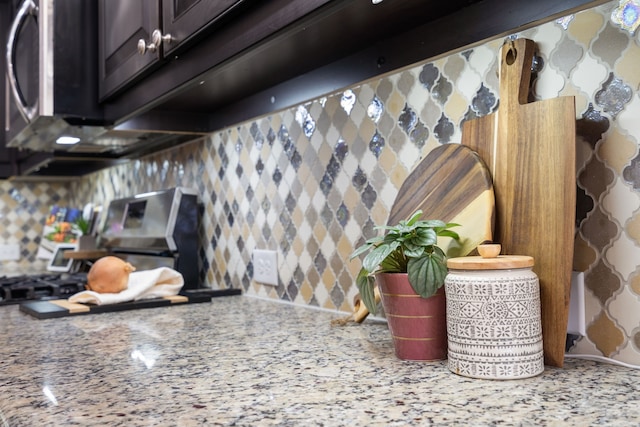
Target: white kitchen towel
146, 284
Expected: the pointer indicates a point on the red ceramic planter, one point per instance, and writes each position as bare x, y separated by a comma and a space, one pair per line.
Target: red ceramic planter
418, 325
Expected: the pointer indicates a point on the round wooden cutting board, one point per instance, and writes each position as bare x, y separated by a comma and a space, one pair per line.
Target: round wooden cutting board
451, 184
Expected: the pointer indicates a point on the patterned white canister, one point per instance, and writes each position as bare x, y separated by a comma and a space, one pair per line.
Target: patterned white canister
494, 328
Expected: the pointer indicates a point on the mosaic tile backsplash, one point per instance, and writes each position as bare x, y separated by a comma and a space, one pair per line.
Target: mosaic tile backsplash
23, 209
311, 181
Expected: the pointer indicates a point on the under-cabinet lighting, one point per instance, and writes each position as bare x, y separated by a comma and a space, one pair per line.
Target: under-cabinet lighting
67, 140
151, 193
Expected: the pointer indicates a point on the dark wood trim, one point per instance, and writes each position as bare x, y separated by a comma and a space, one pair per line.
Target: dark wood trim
260, 78
232, 39
479, 22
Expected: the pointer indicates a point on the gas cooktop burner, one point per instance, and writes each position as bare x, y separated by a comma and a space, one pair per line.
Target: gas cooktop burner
17, 289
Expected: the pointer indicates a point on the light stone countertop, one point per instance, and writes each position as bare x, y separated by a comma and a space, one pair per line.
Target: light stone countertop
244, 361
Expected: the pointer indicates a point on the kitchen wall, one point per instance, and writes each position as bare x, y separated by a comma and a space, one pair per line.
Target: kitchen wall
310, 181
23, 209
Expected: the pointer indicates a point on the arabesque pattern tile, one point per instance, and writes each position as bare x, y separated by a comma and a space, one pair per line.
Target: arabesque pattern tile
312, 180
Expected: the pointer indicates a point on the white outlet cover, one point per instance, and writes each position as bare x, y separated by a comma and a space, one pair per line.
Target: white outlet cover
10, 252
577, 321
265, 267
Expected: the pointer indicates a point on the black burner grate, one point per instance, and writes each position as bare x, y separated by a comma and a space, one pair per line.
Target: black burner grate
17, 289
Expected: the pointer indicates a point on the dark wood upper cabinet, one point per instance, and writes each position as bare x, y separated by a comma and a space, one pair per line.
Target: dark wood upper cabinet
135, 37
183, 20
122, 24
263, 56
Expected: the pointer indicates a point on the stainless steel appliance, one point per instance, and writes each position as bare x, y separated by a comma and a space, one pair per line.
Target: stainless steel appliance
154, 230
52, 93
51, 76
150, 230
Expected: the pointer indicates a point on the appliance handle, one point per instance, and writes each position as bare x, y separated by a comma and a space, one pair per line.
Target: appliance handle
27, 8
7, 103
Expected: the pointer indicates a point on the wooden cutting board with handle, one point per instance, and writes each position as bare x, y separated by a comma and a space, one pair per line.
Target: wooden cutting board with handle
451, 184
530, 151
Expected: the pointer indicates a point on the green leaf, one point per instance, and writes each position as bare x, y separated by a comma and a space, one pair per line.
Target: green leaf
431, 223
375, 240
402, 228
362, 249
448, 233
385, 227
425, 237
410, 246
83, 225
390, 264
390, 238
413, 251
427, 273
375, 257
367, 246
366, 284
415, 217
441, 256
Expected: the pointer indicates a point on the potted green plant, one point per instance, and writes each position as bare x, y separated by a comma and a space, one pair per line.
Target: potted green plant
85, 240
410, 269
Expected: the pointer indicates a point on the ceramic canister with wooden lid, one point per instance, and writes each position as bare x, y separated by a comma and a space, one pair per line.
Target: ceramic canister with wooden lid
494, 326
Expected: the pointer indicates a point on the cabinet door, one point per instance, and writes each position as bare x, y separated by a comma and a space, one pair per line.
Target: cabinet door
122, 23
184, 19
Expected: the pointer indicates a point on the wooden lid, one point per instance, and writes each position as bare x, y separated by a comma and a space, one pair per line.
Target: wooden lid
85, 254
490, 260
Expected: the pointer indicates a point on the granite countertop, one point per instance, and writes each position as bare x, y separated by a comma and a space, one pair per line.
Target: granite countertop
244, 361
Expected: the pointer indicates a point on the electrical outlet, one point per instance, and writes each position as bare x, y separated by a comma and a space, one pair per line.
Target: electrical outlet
577, 322
10, 252
265, 267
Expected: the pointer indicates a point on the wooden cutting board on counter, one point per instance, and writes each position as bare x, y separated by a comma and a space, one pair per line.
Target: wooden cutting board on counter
451, 184
530, 151
52, 309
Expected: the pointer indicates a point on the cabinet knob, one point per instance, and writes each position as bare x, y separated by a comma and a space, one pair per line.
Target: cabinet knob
143, 47
157, 38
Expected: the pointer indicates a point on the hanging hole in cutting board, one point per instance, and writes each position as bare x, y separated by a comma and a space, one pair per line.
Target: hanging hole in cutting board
511, 54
